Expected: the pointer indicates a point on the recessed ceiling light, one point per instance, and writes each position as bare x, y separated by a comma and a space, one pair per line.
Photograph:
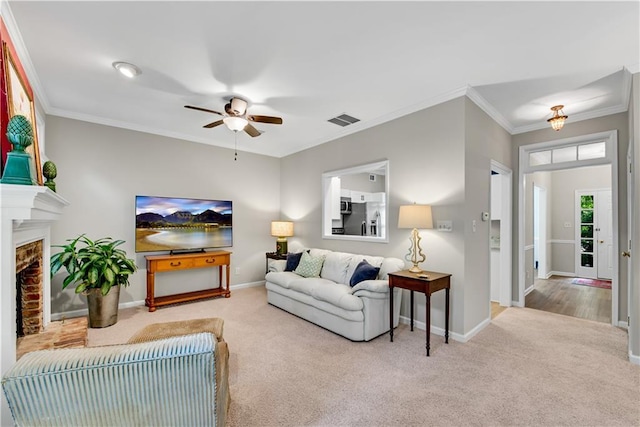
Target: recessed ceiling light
126, 69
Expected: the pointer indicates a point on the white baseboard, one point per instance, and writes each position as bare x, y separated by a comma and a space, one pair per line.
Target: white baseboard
84, 312
528, 290
622, 324
634, 359
562, 273
440, 331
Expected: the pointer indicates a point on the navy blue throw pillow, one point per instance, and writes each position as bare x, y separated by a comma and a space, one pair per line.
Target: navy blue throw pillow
292, 261
364, 271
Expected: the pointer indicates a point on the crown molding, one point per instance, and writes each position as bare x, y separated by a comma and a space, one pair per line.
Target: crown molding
25, 59
485, 106
633, 69
627, 79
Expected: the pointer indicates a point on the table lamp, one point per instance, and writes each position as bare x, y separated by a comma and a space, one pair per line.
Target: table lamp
414, 217
281, 230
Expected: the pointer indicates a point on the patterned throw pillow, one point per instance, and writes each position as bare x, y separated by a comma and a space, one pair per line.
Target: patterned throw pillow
364, 271
309, 266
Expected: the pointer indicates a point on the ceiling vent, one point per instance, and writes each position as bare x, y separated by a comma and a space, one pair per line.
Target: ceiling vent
344, 120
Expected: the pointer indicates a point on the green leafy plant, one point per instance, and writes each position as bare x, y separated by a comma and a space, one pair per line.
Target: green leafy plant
97, 264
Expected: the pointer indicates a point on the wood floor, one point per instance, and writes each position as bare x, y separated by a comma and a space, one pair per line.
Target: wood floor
496, 309
558, 295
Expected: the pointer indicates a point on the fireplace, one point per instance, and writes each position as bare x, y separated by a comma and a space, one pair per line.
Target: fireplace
29, 289
26, 215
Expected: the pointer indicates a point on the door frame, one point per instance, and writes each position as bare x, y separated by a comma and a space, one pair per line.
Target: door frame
506, 233
611, 158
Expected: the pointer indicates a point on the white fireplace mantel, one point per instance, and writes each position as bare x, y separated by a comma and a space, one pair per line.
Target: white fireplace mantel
26, 215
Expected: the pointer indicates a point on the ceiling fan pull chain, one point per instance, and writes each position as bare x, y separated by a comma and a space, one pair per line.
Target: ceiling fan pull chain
235, 155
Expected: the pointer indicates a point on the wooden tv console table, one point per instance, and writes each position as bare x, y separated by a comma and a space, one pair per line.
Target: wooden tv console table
164, 263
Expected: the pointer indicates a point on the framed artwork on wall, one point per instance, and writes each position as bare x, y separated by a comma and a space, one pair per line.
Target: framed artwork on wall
20, 101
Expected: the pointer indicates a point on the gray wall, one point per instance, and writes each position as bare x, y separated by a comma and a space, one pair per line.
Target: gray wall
617, 122
485, 141
565, 184
426, 155
101, 169
438, 156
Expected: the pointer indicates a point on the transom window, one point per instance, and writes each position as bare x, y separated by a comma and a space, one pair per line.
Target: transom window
571, 153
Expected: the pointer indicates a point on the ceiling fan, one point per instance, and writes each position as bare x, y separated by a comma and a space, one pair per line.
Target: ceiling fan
236, 117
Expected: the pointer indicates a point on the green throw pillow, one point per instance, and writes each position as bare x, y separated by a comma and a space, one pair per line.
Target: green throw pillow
309, 266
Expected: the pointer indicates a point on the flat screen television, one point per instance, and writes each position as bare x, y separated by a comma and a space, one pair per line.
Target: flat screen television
182, 225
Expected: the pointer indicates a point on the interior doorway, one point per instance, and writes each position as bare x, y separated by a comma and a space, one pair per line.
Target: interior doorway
556, 156
501, 230
571, 239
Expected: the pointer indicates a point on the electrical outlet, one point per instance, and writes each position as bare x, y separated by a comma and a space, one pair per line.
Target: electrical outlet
473, 225
567, 224
444, 226
237, 270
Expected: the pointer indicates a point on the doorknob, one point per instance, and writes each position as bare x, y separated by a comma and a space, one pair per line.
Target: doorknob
600, 241
626, 254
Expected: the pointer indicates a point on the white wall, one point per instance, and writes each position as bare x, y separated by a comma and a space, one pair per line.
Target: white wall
634, 288
101, 169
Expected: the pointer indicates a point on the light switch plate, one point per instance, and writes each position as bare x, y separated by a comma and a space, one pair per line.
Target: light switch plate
444, 226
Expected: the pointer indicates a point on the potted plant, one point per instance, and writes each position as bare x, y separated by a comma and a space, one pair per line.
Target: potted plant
99, 268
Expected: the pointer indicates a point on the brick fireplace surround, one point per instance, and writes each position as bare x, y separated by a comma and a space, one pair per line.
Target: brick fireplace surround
26, 215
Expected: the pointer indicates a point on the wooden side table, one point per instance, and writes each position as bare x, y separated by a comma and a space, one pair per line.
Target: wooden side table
427, 285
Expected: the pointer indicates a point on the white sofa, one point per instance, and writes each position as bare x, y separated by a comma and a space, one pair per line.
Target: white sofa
359, 313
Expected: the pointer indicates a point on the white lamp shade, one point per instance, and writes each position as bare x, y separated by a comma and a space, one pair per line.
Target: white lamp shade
415, 216
281, 228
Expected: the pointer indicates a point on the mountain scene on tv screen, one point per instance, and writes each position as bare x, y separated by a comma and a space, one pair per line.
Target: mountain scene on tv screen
183, 219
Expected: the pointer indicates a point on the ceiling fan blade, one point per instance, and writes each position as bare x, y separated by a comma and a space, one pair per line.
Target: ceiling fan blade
203, 109
252, 131
265, 119
213, 124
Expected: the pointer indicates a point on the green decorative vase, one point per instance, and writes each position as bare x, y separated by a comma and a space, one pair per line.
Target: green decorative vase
20, 135
50, 171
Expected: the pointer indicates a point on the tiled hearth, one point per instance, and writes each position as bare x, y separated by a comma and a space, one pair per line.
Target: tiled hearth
26, 215
67, 333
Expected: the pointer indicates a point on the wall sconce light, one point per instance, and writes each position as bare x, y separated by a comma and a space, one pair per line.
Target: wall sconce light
557, 121
415, 216
281, 230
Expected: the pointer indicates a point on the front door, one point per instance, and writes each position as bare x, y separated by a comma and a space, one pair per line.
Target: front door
594, 234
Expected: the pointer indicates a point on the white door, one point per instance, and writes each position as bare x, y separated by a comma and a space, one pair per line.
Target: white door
594, 234
604, 233
540, 230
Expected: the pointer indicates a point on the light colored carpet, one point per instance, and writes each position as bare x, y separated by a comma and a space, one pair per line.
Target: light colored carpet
527, 368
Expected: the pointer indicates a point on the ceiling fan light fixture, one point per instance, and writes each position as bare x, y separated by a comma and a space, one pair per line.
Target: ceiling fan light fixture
557, 121
235, 123
127, 69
